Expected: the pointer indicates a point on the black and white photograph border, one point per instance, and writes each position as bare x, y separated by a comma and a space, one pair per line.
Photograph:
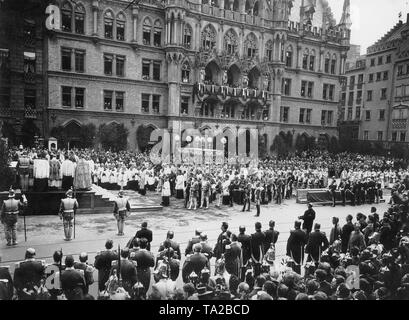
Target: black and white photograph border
188, 150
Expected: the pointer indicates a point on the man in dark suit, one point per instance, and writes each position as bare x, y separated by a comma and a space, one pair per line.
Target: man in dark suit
192, 242
72, 281
332, 188
128, 270
257, 248
144, 261
317, 243
27, 275
346, 233
103, 262
233, 256
245, 241
195, 262
308, 218
295, 246
87, 269
271, 236
145, 233
173, 244
219, 248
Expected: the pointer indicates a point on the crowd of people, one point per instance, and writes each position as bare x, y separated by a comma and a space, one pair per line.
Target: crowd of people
357, 177
316, 267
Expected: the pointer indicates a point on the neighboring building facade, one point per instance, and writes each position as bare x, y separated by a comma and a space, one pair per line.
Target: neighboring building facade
275, 66
22, 81
374, 100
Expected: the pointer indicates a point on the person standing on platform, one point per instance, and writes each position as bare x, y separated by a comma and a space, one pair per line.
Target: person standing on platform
23, 170
67, 173
179, 185
308, 218
82, 177
41, 172
68, 207
9, 216
122, 209
166, 192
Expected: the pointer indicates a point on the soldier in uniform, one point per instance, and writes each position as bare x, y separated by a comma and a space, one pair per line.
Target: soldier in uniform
271, 236
317, 243
9, 213
122, 209
308, 218
68, 207
232, 256
257, 252
295, 246
341, 188
144, 261
128, 271
103, 263
206, 248
72, 281
219, 248
332, 189
246, 197
194, 263
28, 274
87, 269
245, 241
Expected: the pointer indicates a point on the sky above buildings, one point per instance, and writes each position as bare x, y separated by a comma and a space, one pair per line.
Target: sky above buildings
371, 19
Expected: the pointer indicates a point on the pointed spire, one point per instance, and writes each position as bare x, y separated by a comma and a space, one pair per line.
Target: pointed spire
346, 15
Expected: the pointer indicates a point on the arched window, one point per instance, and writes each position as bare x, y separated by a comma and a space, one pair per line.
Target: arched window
147, 29
187, 36
230, 42
109, 24
236, 5
208, 38
251, 45
185, 72
312, 61
120, 26
289, 57
269, 50
333, 64
66, 17
79, 18
248, 7
305, 59
157, 34
256, 9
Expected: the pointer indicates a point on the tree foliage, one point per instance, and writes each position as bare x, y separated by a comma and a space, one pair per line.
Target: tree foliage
86, 135
28, 131
113, 136
143, 136
279, 146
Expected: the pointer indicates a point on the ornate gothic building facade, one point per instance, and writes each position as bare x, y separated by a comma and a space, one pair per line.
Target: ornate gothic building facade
271, 65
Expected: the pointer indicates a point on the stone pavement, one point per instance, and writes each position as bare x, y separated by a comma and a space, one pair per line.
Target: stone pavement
45, 233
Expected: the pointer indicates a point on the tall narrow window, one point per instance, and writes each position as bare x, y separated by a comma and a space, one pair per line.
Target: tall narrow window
146, 66
312, 61
120, 27
66, 59
66, 17
331, 92
308, 117
305, 61
79, 19
108, 99
289, 58
187, 36
155, 103
326, 64
66, 96
269, 50
108, 61
120, 66
147, 29
302, 114
119, 101
29, 62
156, 71
184, 105
303, 88
145, 102
310, 89
108, 25
185, 72
333, 64
79, 61
79, 97
157, 34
